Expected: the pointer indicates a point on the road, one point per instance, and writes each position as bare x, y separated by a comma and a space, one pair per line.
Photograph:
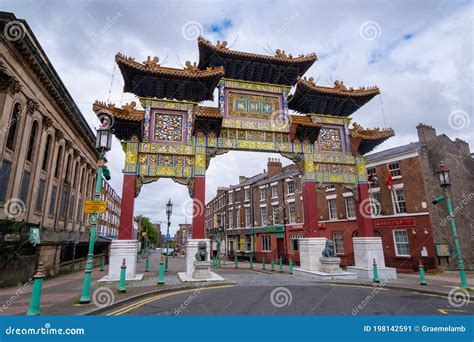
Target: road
255, 293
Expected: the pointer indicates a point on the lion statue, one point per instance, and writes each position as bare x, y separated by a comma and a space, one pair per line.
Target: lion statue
328, 250
201, 254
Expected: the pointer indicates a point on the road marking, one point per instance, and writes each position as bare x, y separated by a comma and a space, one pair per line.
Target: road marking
157, 297
445, 311
361, 286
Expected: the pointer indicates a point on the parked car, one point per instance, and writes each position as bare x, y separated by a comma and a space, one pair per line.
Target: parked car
169, 251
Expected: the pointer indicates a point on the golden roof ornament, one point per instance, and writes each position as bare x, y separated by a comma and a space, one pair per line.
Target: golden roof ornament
222, 46
281, 54
128, 108
151, 63
192, 67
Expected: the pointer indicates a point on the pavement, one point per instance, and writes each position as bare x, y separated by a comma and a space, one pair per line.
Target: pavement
61, 294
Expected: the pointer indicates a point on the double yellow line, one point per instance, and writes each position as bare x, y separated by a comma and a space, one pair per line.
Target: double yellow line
136, 305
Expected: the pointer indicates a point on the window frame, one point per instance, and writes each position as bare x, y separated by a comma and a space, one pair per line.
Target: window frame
338, 242
330, 216
395, 242
394, 168
353, 207
395, 200
266, 243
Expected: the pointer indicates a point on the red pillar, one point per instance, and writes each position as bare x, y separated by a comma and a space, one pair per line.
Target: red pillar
310, 226
199, 207
126, 211
363, 211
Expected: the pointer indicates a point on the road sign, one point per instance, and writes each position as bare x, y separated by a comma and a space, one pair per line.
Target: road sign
168, 237
95, 207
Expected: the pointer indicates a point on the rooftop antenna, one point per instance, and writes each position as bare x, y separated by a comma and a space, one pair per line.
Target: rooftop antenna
112, 82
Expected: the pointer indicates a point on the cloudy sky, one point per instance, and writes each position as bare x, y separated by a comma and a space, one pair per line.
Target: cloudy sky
419, 53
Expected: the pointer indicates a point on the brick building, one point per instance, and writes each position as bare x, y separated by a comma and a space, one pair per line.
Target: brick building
108, 223
48, 158
262, 216
181, 236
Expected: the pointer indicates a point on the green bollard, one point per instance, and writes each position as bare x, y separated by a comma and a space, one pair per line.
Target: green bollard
251, 263
273, 266
147, 265
263, 264
123, 271
376, 272
291, 266
281, 266
101, 267
35, 303
161, 274
422, 274
236, 262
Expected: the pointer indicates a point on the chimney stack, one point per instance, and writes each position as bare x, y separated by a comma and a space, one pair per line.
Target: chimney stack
242, 179
274, 167
425, 133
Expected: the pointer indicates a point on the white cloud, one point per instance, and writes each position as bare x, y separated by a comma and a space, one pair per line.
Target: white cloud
422, 79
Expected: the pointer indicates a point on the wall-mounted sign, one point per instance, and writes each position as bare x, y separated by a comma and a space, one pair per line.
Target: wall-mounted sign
395, 222
269, 229
95, 207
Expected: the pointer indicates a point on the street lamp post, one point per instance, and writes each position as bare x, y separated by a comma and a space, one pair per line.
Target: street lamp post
444, 182
102, 145
169, 210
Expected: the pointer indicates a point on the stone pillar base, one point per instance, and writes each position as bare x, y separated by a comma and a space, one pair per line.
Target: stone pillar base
311, 250
119, 250
366, 249
330, 265
202, 270
191, 250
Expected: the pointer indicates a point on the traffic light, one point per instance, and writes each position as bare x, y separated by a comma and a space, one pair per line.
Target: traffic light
106, 172
438, 199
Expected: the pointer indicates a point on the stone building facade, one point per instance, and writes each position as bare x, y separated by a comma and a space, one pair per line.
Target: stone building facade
262, 216
48, 160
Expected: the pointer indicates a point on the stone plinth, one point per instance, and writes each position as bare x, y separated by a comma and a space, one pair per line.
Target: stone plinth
310, 252
366, 249
330, 265
202, 270
191, 250
119, 250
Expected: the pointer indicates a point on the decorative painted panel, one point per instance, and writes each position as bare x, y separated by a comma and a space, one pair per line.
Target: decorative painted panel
330, 140
168, 127
255, 106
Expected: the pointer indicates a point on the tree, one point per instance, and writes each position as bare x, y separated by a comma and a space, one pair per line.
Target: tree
149, 228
